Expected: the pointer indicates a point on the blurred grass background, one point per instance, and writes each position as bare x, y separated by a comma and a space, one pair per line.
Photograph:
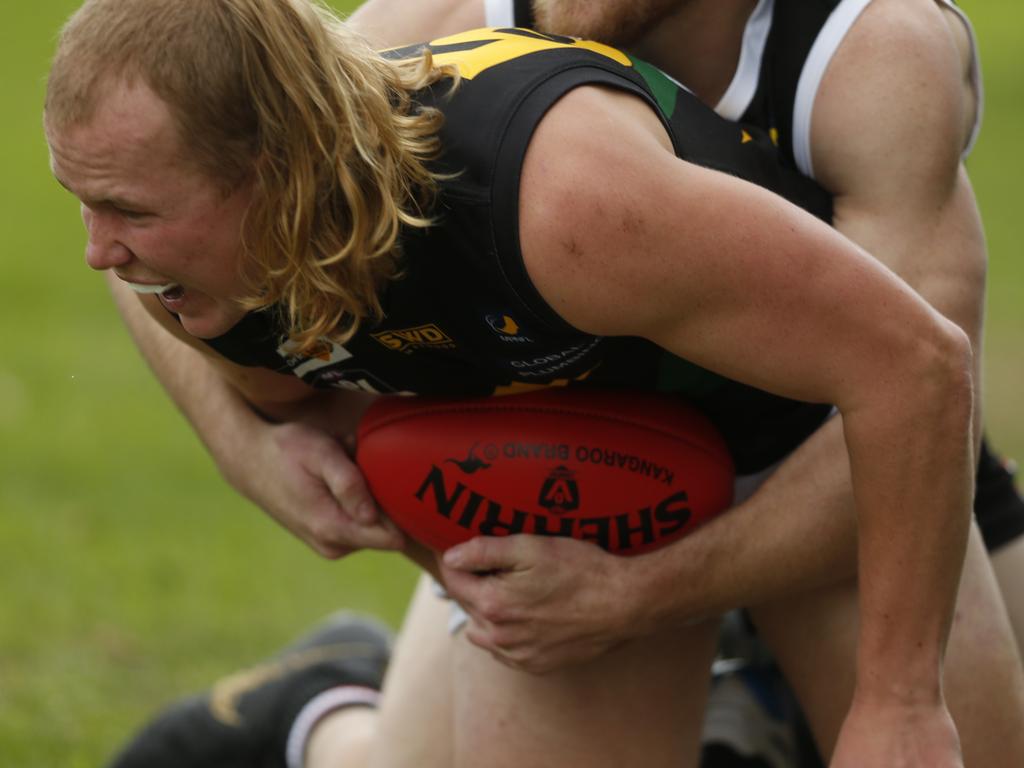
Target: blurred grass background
129, 571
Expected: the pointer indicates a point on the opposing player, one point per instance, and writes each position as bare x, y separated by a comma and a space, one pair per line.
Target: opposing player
255, 155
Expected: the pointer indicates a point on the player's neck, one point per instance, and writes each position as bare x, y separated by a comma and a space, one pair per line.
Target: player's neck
700, 44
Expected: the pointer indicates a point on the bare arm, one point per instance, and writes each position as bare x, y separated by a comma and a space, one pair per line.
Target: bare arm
901, 193
914, 211
298, 471
813, 318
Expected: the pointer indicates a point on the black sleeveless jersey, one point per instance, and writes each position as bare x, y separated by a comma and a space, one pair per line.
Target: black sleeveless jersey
787, 46
465, 319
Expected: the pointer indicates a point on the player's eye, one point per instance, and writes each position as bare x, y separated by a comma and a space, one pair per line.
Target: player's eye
131, 215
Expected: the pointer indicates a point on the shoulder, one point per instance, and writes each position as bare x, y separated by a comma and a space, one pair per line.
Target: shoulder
591, 133
618, 234
899, 80
899, 48
586, 180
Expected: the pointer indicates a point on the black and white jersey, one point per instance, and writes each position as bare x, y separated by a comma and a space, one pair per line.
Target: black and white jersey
787, 46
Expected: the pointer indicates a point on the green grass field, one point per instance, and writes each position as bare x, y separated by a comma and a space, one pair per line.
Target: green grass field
129, 571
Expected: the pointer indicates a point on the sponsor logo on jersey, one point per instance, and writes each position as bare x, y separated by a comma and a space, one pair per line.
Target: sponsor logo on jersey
545, 365
326, 353
507, 328
327, 365
353, 379
420, 337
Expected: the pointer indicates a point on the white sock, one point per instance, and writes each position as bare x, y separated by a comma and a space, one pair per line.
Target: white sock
319, 707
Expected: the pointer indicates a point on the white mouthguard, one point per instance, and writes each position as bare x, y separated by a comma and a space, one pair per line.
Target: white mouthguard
143, 288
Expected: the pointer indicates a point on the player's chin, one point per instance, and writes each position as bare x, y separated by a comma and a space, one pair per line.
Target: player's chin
205, 318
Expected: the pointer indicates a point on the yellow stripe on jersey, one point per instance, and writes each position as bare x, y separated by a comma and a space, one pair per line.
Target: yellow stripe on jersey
499, 46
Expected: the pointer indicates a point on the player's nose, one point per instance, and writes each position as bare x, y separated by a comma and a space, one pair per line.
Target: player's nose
103, 250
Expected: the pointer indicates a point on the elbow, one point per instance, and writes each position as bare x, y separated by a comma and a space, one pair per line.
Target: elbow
945, 372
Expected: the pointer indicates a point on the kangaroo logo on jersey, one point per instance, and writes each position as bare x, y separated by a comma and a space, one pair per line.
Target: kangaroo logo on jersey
420, 337
559, 493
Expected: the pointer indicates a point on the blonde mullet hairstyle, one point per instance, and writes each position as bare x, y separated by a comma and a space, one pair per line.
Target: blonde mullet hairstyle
283, 95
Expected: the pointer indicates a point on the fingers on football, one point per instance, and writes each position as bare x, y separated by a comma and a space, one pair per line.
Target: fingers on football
486, 554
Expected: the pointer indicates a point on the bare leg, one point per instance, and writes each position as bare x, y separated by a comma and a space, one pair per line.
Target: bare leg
412, 729
343, 739
641, 704
1008, 563
415, 728
814, 639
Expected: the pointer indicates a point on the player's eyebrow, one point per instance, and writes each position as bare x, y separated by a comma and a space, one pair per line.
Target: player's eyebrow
116, 202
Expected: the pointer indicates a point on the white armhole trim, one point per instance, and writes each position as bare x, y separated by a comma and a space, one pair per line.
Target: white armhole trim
975, 75
741, 90
499, 13
824, 48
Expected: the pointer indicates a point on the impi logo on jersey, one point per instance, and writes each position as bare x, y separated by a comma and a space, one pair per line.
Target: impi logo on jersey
419, 337
508, 330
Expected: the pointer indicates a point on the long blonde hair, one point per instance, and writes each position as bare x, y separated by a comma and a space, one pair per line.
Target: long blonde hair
280, 93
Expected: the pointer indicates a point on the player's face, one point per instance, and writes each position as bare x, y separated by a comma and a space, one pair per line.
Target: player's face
151, 216
619, 22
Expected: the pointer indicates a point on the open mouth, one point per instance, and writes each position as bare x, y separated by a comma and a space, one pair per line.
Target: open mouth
168, 290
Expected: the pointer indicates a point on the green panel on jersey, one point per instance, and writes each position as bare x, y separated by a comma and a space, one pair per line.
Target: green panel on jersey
664, 89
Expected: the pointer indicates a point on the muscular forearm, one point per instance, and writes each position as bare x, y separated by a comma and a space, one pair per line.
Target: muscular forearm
220, 416
937, 247
278, 443
913, 481
796, 533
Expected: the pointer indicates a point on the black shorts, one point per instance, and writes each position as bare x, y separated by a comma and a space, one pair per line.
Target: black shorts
998, 505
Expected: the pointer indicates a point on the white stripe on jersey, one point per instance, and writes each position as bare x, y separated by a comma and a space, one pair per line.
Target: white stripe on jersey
741, 90
825, 46
976, 81
499, 13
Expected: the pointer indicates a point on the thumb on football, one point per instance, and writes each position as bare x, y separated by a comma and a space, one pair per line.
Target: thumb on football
483, 554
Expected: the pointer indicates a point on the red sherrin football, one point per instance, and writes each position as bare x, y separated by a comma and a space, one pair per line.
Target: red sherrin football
628, 471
